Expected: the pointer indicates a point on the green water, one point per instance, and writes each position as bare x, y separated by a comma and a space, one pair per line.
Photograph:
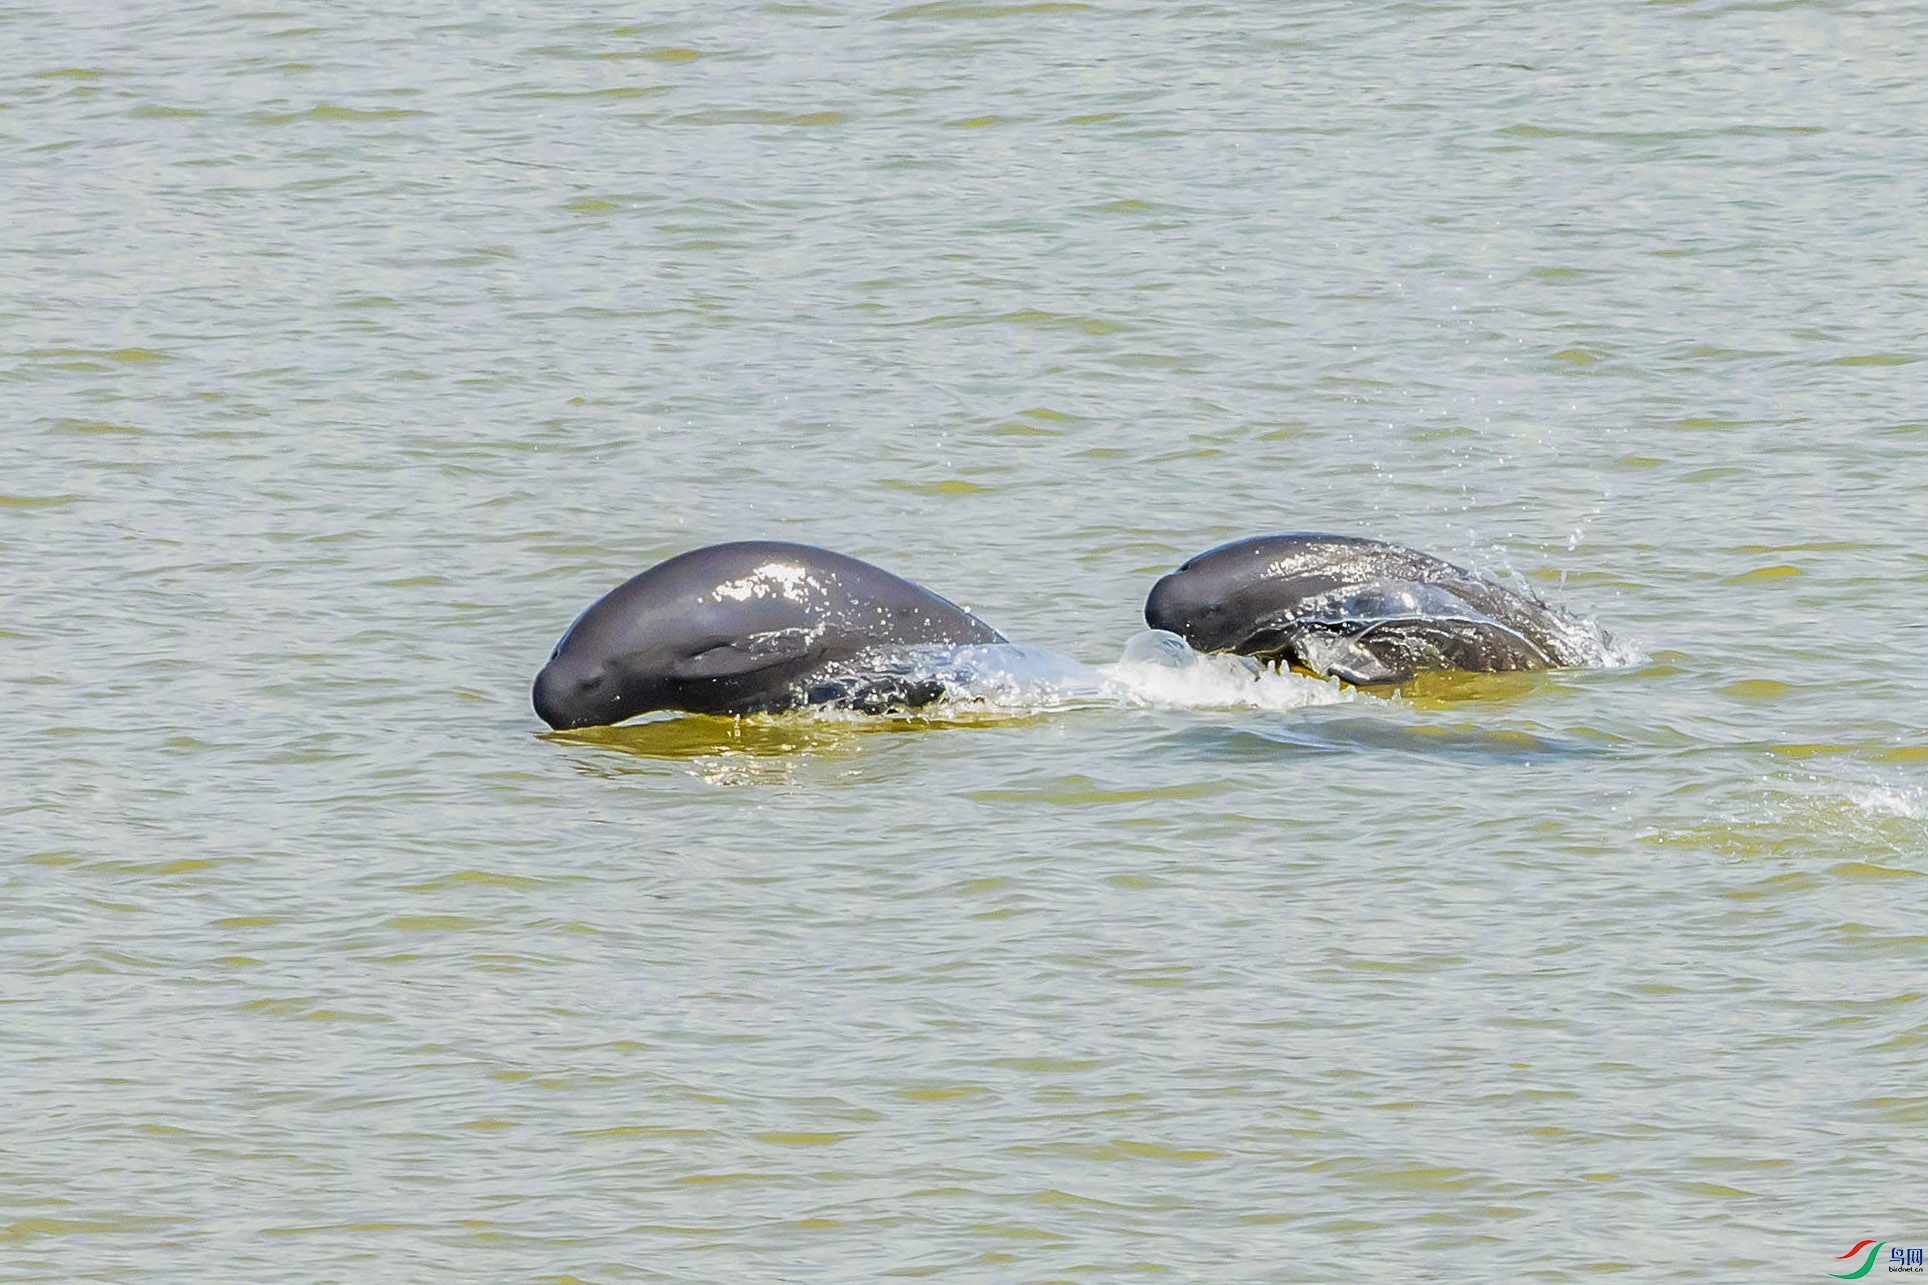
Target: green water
348, 352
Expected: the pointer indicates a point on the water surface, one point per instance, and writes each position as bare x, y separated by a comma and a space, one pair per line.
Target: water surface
348, 353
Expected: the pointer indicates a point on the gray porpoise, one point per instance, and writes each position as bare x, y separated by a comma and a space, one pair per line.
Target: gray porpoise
748, 628
1360, 610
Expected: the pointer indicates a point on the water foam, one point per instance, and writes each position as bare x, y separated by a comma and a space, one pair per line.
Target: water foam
1889, 801
1156, 669
1161, 669
1592, 647
1581, 641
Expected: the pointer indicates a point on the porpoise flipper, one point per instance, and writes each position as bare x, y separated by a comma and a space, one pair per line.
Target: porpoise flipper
737, 657
1332, 655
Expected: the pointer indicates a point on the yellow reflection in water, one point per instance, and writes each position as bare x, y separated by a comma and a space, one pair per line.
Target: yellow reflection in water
1440, 690
683, 737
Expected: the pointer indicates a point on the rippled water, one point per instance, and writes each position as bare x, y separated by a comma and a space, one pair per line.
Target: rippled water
350, 351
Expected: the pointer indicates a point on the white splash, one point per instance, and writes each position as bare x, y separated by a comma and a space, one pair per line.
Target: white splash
1157, 669
1588, 646
1161, 669
1889, 801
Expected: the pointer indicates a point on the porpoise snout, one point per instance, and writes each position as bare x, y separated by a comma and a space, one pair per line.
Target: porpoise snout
1189, 602
1183, 603
563, 693
547, 697
1162, 609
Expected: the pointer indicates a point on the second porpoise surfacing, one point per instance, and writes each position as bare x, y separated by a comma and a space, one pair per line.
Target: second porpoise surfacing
1364, 611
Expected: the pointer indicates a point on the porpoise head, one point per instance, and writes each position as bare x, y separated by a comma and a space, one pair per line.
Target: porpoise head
1228, 598
613, 663
1245, 596
724, 629
1190, 602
